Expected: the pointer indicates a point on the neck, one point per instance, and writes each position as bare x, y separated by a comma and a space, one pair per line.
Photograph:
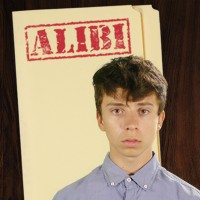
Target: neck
131, 164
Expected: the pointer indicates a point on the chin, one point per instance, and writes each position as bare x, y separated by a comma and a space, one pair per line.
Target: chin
131, 154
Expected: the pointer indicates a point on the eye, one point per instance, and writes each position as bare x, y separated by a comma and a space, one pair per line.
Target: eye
117, 111
143, 111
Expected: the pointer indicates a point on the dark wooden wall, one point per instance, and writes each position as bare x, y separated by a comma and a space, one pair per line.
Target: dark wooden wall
180, 136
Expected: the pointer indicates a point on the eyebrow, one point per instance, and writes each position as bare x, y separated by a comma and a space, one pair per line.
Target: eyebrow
115, 104
145, 104
123, 104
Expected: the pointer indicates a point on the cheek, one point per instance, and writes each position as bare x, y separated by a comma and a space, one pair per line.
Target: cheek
149, 126
110, 121
112, 128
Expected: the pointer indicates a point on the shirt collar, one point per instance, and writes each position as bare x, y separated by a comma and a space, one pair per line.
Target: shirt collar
113, 174
144, 177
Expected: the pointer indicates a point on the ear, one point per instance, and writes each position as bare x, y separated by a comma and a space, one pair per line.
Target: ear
100, 121
161, 119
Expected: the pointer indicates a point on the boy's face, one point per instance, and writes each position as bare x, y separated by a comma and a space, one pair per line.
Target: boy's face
131, 127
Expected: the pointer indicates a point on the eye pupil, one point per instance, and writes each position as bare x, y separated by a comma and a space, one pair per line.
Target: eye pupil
116, 111
144, 111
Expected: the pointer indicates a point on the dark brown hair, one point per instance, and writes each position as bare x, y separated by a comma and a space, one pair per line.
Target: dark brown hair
138, 77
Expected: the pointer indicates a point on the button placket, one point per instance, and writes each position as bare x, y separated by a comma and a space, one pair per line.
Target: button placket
130, 188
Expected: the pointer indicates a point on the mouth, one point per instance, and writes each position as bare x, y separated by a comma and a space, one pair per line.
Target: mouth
131, 142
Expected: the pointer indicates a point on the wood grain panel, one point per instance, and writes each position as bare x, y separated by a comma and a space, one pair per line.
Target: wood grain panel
181, 46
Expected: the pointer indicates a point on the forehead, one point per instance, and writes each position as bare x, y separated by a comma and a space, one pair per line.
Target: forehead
121, 96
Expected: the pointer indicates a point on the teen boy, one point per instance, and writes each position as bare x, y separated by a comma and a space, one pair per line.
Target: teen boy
130, 95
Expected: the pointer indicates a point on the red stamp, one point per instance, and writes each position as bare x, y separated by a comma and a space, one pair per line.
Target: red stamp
78, 39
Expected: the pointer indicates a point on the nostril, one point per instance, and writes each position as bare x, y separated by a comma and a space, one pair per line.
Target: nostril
130, 128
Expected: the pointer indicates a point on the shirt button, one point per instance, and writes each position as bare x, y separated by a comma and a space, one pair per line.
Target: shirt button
145, 186
112, 183
128, 180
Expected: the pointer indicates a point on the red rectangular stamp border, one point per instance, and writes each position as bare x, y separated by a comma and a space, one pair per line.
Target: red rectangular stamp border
83, 55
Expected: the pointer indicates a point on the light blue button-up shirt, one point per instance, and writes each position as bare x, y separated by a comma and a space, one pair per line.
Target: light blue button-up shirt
109, 182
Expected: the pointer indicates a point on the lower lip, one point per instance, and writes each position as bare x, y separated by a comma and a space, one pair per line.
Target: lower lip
131, 143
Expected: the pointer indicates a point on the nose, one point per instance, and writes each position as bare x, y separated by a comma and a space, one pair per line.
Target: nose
130, 121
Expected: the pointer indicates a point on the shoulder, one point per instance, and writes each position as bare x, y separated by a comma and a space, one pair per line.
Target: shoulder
178, 186
81, 187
